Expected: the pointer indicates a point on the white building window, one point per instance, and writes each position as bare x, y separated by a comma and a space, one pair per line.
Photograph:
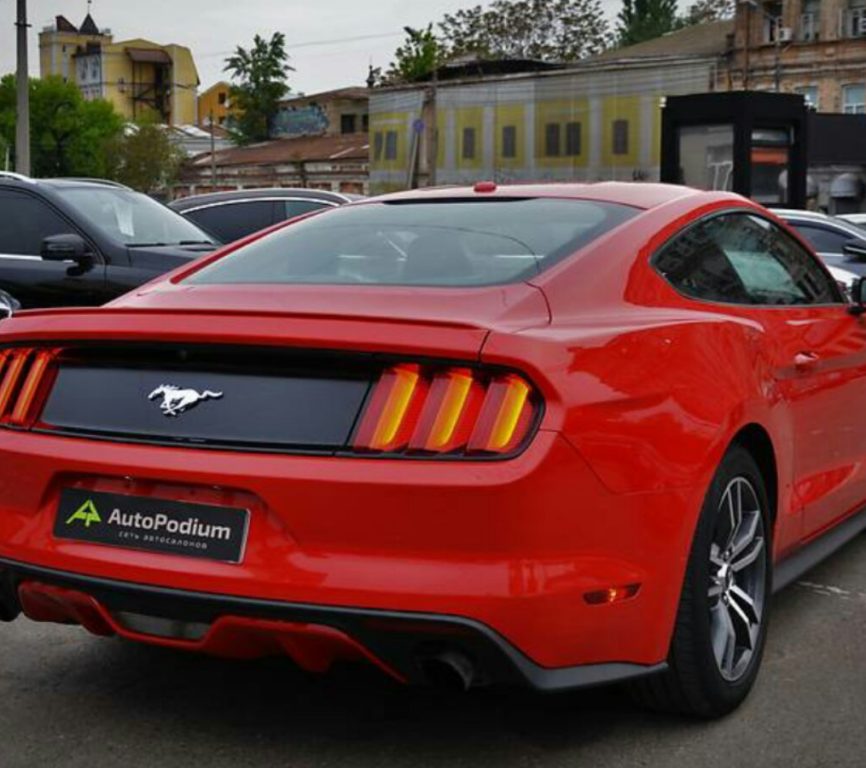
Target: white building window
854, 99
810, 92
854, 19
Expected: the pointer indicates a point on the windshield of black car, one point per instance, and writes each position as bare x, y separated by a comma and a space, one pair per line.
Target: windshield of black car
440, 243
132, 218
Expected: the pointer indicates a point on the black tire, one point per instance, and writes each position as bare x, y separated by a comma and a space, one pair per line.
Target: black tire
695, 683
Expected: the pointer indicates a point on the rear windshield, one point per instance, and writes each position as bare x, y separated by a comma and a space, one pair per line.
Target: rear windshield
451, 243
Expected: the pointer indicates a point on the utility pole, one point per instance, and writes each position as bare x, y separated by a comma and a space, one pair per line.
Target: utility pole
213, 171
22, 126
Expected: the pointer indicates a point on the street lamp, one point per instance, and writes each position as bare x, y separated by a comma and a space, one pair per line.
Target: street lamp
22, 127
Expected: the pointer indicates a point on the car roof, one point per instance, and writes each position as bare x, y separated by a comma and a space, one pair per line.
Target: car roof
16, 179
796, 213
638, 195
820, 218
212, 198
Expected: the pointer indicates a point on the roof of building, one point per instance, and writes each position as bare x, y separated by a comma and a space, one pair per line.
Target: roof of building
88, 26
352, 92
354, 146
62, 24
709, 39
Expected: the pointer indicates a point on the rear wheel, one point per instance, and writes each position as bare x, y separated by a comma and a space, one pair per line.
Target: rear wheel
722, 618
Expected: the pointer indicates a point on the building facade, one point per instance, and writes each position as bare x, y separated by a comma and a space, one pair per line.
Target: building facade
333, 113
142, 79
813, 47
215, 105
600, 119
334, 163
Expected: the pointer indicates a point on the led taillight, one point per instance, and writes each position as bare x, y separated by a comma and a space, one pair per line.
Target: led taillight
446, 411
24, 374
392, 411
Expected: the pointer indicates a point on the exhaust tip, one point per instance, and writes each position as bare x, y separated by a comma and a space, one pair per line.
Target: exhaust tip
449, 670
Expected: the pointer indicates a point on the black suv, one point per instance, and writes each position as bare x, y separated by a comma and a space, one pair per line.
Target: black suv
83, 242
233, 215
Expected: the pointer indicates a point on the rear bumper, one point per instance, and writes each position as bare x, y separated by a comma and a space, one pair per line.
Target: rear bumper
400, 643
508, 549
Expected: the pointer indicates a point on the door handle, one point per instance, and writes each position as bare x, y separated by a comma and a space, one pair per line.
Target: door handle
805, 360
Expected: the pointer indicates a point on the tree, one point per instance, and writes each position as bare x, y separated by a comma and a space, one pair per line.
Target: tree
261, 74
68, 134
144, 158
704, 11
417, 58
641, 20
549, 30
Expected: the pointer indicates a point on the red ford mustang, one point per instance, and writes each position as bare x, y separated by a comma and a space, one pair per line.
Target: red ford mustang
552, 435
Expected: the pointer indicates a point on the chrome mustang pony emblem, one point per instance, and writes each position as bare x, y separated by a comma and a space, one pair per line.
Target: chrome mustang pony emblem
176, 400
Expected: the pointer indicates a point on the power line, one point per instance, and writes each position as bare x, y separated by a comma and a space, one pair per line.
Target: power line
314, 43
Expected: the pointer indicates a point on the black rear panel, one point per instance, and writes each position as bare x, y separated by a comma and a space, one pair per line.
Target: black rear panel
258, 399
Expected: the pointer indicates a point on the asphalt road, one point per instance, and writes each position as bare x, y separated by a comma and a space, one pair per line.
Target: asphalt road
67, 699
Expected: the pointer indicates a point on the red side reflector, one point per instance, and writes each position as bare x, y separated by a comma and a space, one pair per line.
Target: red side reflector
446, 410
612, 595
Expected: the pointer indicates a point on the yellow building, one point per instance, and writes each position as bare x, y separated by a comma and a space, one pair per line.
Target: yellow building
516, 121
142, 79
215, 104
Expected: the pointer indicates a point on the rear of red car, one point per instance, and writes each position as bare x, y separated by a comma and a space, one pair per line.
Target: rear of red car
328, 472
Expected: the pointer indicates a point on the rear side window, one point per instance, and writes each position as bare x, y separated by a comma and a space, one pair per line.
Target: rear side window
744, 259
25, 222
292, 208
824, 240
232, 221
447, 243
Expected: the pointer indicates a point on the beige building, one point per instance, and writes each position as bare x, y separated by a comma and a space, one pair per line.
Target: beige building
332, 113
813, 47
215, 104
142, 79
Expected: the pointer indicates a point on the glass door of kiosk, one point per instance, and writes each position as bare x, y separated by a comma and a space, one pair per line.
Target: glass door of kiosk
771, 162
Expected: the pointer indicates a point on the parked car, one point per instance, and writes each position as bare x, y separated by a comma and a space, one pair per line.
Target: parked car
9, 305
857, 219
553, 435
233, 215
838, 242
83, 242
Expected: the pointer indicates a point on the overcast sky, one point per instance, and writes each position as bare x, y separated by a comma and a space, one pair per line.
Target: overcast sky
322, 35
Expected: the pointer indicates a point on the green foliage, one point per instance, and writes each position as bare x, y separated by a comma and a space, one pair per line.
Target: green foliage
708, 10
641, 20
144, 158
418, 57
69, 135
549, 30
261, 75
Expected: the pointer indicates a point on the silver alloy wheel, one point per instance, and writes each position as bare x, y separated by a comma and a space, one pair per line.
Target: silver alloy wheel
738, 572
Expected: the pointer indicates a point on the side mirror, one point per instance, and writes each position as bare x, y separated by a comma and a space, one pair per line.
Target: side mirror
855, 249
8, 305
858, 297
67, 248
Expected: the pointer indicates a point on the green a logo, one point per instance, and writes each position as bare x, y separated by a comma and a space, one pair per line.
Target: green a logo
87, 514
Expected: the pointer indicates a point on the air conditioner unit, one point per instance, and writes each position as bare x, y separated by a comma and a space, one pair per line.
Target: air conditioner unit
786, 34
861, 25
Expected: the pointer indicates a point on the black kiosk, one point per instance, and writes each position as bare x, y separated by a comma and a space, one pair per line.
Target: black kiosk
748, 142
